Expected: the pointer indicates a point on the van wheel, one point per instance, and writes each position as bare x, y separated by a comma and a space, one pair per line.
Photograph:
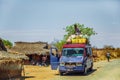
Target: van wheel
85, 71
61, 73
91, 68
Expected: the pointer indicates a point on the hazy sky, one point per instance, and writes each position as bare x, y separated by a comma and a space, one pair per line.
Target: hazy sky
44, 20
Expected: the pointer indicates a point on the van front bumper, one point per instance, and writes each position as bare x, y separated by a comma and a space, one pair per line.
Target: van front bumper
73, 69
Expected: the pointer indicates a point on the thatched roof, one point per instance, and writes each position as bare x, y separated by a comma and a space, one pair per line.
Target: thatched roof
30, 48
4, 55
9, 56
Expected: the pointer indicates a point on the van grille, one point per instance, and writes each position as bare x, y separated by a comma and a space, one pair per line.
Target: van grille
70, 65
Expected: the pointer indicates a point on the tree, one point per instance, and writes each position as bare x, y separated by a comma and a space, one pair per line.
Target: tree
85, 31
7, 43
59, 44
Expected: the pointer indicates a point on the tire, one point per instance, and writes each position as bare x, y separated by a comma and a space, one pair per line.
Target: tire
85, 71
61, 73
91, 68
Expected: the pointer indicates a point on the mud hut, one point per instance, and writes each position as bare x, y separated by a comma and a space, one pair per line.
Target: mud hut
11, 65
34, 50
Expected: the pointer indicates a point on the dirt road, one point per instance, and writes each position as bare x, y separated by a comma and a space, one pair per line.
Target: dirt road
102, 71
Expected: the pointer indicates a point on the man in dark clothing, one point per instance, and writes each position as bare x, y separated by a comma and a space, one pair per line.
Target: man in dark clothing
44, 59
77, 31
108, 56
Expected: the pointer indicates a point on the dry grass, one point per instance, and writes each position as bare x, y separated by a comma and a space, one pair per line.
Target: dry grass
100, 54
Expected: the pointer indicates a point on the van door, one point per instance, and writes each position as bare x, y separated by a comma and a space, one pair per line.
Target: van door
89, 58
54, 59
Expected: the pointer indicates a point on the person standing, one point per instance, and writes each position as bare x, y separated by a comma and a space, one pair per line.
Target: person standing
108, 56
44, 59
77, 31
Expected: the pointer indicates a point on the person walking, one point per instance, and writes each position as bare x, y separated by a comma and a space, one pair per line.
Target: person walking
108, 56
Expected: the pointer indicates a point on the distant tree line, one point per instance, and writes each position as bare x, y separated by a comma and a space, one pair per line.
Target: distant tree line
107, 47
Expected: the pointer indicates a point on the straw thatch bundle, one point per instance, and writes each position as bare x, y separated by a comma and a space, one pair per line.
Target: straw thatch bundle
10, 69
8, 56
11, 65
30, 48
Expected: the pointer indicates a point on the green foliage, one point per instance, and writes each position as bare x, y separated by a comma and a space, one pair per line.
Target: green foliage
86, 31
59, 44
7, 43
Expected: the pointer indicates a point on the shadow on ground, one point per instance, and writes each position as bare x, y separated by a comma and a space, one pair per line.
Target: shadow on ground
79, 74
24, 77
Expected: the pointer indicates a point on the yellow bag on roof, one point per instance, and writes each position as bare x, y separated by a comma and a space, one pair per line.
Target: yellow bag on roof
80, 40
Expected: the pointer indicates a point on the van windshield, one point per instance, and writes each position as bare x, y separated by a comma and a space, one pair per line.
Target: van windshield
72, 52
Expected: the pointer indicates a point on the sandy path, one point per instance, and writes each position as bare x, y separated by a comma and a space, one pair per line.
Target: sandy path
102, 71
38, 73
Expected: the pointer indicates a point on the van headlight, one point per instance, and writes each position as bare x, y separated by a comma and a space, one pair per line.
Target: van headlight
78, 64
62, 64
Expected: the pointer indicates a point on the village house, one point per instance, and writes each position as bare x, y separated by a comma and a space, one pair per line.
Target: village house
34, 50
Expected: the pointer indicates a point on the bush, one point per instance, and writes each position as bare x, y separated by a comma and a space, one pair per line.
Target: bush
7, 43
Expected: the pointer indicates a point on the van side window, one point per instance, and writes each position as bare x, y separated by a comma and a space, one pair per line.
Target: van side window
54, 52
86, 50
89, 51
